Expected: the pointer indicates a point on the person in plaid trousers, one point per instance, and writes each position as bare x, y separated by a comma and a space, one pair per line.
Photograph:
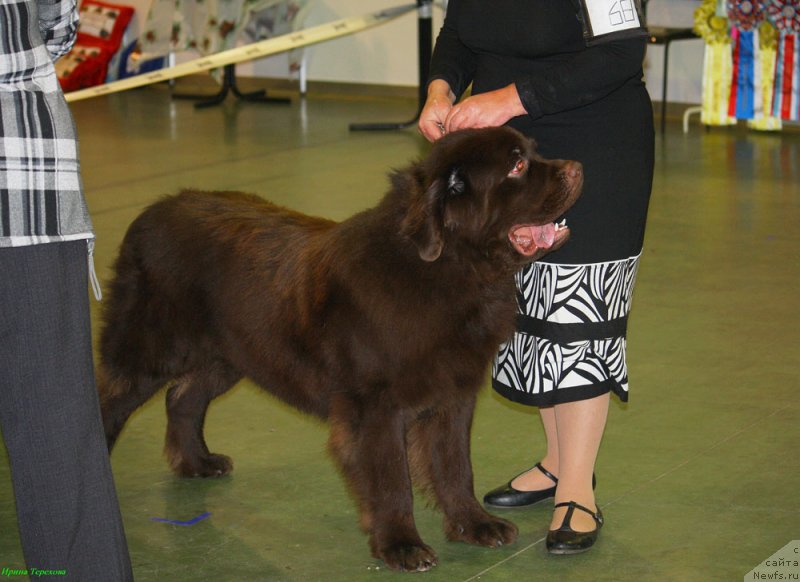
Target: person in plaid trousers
67, 509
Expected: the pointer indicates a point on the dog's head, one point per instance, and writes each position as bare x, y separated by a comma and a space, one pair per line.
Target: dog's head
489, 189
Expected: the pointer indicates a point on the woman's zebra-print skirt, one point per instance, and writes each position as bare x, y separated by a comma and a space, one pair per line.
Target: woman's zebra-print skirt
570, 339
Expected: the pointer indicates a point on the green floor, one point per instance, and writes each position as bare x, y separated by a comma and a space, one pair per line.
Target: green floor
698, 475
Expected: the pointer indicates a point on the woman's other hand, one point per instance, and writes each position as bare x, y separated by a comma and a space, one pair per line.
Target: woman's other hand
434, 113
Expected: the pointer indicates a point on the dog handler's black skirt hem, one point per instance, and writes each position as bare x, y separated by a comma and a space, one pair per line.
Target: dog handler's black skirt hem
554, 397
570, 342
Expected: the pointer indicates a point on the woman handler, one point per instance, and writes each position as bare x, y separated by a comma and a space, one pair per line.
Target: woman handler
540, 66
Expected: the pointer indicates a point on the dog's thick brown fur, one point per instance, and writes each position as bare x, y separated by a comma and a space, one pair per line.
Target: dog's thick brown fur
383, 324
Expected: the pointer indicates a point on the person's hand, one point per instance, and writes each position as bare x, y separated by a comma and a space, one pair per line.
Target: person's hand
434, 113
485, 110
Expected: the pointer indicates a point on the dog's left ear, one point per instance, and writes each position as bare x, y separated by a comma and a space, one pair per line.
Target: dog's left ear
423, 223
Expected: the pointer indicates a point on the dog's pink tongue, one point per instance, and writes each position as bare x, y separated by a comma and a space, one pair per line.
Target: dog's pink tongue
527, 239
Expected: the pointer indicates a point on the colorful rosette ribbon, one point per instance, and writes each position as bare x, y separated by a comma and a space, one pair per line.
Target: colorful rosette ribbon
745, 17
708, 26
745, 14
785, 16
717, 64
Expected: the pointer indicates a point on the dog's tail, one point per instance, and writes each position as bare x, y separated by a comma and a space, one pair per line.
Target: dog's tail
133, 349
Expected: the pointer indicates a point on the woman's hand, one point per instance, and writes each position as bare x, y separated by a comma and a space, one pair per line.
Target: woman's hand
434, 113
485, 110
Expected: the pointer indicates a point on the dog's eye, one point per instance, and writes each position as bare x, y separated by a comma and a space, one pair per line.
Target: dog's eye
519, 168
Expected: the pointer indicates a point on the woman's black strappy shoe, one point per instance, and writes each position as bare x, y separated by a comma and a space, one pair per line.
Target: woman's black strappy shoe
507, 496
566, 540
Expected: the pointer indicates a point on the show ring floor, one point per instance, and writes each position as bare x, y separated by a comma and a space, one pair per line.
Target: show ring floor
698, 476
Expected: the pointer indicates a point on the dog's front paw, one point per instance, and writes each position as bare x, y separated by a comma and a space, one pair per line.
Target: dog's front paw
212, 465
408, 557
491, 531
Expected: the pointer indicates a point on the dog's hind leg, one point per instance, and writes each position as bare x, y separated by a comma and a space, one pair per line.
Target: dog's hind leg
187, 403
119, 397
439, 452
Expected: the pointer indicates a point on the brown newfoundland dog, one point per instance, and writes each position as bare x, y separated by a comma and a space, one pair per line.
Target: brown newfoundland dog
383, 324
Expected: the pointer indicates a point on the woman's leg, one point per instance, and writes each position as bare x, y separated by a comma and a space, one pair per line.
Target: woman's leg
534, 479
579, 426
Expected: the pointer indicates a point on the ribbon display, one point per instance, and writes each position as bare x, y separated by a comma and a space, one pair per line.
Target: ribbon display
750, 66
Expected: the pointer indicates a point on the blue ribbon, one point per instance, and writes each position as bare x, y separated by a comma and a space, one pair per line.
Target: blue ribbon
745, 80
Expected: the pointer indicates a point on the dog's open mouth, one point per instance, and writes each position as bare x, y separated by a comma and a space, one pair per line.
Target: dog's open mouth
528, 238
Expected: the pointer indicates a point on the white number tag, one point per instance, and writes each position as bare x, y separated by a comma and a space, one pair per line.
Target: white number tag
611, 19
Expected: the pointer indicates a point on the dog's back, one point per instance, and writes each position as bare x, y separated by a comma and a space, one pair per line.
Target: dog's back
185, 265
178, 252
